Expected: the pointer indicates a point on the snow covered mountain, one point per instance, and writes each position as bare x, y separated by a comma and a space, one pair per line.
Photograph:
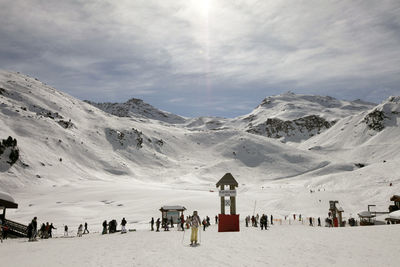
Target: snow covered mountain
137, 108
291, 117
287, 117
75, 157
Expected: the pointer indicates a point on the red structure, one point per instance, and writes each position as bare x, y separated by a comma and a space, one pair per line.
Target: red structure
228, 222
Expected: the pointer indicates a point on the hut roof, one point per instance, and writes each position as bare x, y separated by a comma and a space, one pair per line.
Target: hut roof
227, 179
179, 208
366, 214
395, 198
7, 201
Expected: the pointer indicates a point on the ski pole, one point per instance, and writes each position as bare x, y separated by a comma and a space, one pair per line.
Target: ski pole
183, 237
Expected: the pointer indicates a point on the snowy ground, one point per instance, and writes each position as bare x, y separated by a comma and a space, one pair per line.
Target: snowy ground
281, 245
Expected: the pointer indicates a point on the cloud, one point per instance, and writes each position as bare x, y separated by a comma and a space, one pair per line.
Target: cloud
198, 50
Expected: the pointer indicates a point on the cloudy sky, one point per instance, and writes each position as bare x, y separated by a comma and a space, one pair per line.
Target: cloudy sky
205, 57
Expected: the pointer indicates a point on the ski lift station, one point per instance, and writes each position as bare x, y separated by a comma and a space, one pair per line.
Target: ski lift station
172, 211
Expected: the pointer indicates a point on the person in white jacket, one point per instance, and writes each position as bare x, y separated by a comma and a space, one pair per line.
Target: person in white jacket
195, 222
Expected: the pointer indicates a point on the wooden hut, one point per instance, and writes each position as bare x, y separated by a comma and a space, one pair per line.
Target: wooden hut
6, 202
172, 211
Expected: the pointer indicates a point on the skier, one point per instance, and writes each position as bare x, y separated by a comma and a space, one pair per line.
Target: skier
158, 225
310, 219
272, 220
319, 221
66, 230
247, 221
194, 223
123, 223
208, 221
172, 222
152, 223
204, 224
80, 230
216, 219
86, 229
104, 227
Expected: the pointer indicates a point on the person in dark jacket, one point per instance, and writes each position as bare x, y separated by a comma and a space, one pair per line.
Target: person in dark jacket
66, 230
42, 231
123, 224
272, 219
51, 227
86, 228
158, 223
182, 221
152, 223
262, 221
30, 232
216, 219
104, 227
34, 228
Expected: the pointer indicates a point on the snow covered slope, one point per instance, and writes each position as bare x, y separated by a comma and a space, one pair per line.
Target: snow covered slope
58, 134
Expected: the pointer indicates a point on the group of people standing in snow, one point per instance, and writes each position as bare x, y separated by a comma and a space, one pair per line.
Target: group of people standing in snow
192, 222
256, 220
112, 226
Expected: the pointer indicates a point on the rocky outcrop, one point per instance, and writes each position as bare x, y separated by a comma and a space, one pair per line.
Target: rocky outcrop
375, 120
302, 128
9, 152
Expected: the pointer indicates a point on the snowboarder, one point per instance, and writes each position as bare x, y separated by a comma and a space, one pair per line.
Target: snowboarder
86, 231
152, 223
158, 225
66, 230
123, 223
194, 223
80, 230
104, 227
